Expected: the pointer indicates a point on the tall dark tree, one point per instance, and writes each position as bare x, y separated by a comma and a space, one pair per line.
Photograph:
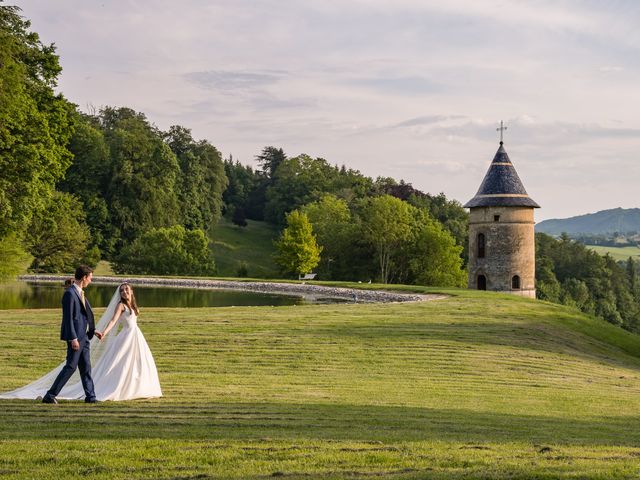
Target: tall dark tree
270, 159
201, 181
142, 189
245, 190
88, 178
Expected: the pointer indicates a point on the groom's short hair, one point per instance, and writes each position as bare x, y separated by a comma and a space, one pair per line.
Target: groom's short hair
82, 271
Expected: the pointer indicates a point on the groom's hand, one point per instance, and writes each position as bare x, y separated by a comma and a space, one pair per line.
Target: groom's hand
98, 335
75, 345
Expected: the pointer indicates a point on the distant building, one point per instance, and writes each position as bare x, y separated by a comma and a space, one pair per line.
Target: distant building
502, 253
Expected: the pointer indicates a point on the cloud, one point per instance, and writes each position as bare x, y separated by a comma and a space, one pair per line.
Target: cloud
610, 69
523, 130
427, 120
400, 85
230, 80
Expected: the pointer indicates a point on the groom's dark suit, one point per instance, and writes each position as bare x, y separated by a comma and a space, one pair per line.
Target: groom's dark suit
77, 323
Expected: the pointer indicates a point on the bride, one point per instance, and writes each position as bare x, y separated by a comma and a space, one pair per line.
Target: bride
123, 367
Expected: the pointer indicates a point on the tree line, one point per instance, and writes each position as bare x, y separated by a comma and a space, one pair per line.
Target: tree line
76, 187
569, 273
358, 227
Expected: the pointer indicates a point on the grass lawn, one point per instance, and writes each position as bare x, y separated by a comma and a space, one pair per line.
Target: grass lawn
251, 245
479, 385
618, 253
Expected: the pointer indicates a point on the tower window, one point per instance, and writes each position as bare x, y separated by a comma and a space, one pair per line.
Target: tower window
482, 282
496, 218
515, 282
481, 245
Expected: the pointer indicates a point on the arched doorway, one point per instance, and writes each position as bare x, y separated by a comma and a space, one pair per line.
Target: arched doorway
515, 282
482, 282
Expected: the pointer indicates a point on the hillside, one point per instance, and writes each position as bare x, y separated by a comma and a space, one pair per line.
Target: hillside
600, 223
251, 245
479, 385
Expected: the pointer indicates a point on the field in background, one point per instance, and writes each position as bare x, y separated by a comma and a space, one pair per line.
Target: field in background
618, 253
479, 385
252, 245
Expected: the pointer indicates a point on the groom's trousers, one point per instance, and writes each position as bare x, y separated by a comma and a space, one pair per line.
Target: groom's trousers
80, 359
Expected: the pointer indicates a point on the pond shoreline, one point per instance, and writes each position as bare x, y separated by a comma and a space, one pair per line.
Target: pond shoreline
298, 289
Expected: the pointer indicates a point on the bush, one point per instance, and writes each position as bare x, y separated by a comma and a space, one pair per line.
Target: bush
167, 251
243, 270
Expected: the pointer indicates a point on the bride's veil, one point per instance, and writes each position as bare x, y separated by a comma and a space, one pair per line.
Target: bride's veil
73, 388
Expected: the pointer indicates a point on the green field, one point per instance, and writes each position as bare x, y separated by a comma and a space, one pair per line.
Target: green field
251, 245
478, 385
618, 253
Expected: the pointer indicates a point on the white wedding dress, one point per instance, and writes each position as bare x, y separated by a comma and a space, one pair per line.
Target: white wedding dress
122, 366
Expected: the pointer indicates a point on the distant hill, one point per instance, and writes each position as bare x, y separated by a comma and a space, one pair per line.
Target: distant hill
252, 246
620, 220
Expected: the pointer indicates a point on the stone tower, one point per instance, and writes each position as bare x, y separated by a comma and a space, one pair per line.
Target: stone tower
502, 253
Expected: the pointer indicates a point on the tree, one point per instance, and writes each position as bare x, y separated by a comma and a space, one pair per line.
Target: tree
568, 272
434, 257
13, 258
296, 182
142, 189
298, 250
88, 178
270, 159
334, 228
167, 251
35, 126
58, 237
631, 268
239, 218
387, 224
241, 191
201, 180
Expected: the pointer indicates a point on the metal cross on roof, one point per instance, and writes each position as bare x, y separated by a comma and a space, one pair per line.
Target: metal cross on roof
501, 130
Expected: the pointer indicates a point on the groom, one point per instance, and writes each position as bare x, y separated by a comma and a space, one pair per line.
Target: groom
77, 329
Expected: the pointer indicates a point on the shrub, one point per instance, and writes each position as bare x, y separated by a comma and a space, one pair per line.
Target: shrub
167, 251
243, 270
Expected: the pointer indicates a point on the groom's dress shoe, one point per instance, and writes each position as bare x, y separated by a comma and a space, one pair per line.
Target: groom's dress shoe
90, 400
49, 400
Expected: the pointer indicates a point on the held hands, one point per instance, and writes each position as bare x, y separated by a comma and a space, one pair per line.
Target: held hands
99, 335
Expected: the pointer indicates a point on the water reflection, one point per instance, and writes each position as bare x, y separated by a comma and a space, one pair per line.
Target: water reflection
26, 295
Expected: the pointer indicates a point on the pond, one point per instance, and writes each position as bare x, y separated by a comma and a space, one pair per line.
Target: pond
19, 295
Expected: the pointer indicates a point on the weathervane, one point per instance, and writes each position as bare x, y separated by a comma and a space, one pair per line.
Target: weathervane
501, 130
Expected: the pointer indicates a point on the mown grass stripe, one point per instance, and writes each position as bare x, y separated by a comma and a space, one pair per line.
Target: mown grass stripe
472, 386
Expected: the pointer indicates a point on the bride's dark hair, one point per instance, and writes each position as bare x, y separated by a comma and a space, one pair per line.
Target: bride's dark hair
132, 303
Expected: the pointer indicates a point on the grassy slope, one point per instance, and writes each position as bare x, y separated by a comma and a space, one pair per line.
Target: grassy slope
618, 253
476, 386
252, 245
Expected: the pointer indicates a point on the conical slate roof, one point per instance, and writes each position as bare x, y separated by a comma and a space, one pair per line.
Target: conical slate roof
501, 186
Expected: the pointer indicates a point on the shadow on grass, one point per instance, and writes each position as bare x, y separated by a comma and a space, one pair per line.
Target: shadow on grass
155, 419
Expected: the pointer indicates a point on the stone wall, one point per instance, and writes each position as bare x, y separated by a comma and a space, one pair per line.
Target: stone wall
509, 248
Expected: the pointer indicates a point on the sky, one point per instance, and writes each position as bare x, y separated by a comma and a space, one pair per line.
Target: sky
409, 89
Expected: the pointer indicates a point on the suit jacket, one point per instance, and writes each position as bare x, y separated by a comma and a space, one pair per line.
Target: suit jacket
77, 320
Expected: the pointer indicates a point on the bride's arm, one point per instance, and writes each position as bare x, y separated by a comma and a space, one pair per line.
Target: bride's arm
115, 317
